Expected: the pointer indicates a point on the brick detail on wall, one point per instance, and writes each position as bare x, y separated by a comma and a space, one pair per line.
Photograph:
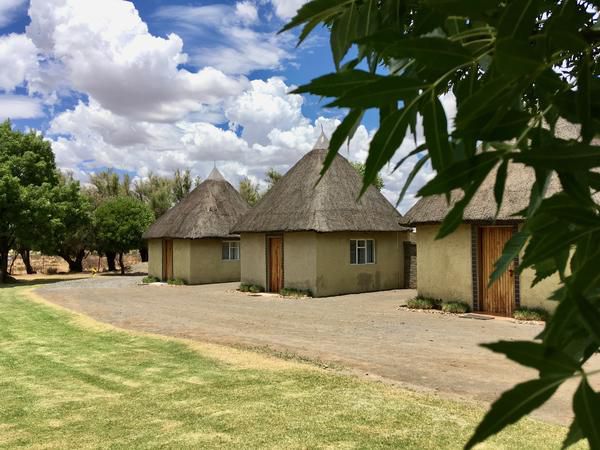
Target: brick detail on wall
475, 265
410, 265
517, 276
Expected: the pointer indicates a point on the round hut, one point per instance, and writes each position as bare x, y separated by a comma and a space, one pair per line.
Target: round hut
316, 234
193, 240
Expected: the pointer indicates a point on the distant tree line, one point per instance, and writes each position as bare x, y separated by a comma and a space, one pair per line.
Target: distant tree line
42, 209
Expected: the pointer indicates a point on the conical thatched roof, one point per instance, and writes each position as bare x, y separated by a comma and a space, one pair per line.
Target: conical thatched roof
297, 203
209, 211
482, 208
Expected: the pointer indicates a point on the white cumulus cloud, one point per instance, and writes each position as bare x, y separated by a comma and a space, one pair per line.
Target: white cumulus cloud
19, 107
18, 60
286, 9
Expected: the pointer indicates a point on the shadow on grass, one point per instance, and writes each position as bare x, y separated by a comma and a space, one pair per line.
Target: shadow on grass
36, 281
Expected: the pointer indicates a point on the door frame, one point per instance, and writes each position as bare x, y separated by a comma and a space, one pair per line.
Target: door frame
478, 283
268, 239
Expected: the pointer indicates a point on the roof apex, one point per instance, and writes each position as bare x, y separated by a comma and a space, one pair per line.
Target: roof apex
215, 175
322, 143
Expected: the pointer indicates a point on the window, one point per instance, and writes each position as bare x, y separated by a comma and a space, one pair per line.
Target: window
231, 250
362, 251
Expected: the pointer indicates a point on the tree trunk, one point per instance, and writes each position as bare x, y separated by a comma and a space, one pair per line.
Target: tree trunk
144, 254
75, 265
110, 259
3, 265
26, 257
121, 263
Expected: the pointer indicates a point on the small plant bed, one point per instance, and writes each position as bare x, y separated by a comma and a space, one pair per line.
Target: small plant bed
438, 306
424, 303
456, 307
531, 314
150, 279
252, 288
295, 293
176, 282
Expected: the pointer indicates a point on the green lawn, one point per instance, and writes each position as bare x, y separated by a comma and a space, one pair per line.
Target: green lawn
67, 382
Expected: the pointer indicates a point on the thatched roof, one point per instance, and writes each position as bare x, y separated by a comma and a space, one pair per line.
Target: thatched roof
482, 208
209, 211
298, 203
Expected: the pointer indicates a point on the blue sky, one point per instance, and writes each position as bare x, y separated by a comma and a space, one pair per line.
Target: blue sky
155, 86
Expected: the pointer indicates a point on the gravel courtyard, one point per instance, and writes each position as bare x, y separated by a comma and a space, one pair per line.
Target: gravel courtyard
370, 334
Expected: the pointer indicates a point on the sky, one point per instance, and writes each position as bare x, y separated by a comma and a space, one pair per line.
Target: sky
152, 86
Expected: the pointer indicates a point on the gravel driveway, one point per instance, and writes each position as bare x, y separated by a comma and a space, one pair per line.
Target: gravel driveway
369, 333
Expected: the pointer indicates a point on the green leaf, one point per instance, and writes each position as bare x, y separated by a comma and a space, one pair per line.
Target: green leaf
386, 141
516, 58
547, 360
433, 52
379, 92
466, 8
561, 155
319, 10
435, 127
511, 250
584, 98
590, 315
573, 436
420, 149
337, 84
343, 32
411, 176
500, 184
586, 404
514, 404
492, 126
344, 131
518, 19
461, 173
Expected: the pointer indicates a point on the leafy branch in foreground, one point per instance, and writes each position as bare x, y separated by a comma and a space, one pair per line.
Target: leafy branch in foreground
518, 71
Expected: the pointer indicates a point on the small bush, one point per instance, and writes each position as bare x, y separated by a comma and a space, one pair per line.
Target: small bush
51, 271
244, 287
150, 279
291, 292
176, 282
525, 313
255, 289
456, 307
424, 303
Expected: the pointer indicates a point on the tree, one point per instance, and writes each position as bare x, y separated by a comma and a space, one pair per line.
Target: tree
272, 177
182, 184
120, 223
249, 191
360, 168
27, 169
516, 68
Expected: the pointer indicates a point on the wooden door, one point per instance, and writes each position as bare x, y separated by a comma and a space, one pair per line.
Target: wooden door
167, 254
275, 272
499, 298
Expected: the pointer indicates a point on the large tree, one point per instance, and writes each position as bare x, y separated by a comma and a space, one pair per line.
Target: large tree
516, 68
119, 225
27, 170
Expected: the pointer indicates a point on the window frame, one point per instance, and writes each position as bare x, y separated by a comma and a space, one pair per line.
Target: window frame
355, 243
231, 245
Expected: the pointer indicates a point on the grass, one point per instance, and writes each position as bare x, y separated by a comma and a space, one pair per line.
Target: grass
527, 314
296, 293
456, 307
70, 382
424, 303
176, 282
150, 279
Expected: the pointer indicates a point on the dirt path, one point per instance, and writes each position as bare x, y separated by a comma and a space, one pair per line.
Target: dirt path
369, 333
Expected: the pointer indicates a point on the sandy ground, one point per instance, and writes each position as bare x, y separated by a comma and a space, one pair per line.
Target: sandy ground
370, 334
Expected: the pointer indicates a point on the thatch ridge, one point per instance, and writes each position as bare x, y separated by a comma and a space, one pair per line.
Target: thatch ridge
298, 203
209, 211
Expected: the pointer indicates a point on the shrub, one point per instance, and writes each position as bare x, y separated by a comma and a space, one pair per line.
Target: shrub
456, 307
244, 287
255, 289
524, 313
176, 282
424, 303
291, 292
150, 279
51, 271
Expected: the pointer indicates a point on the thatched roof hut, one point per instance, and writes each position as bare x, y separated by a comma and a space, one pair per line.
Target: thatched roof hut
300, 202
209, 211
